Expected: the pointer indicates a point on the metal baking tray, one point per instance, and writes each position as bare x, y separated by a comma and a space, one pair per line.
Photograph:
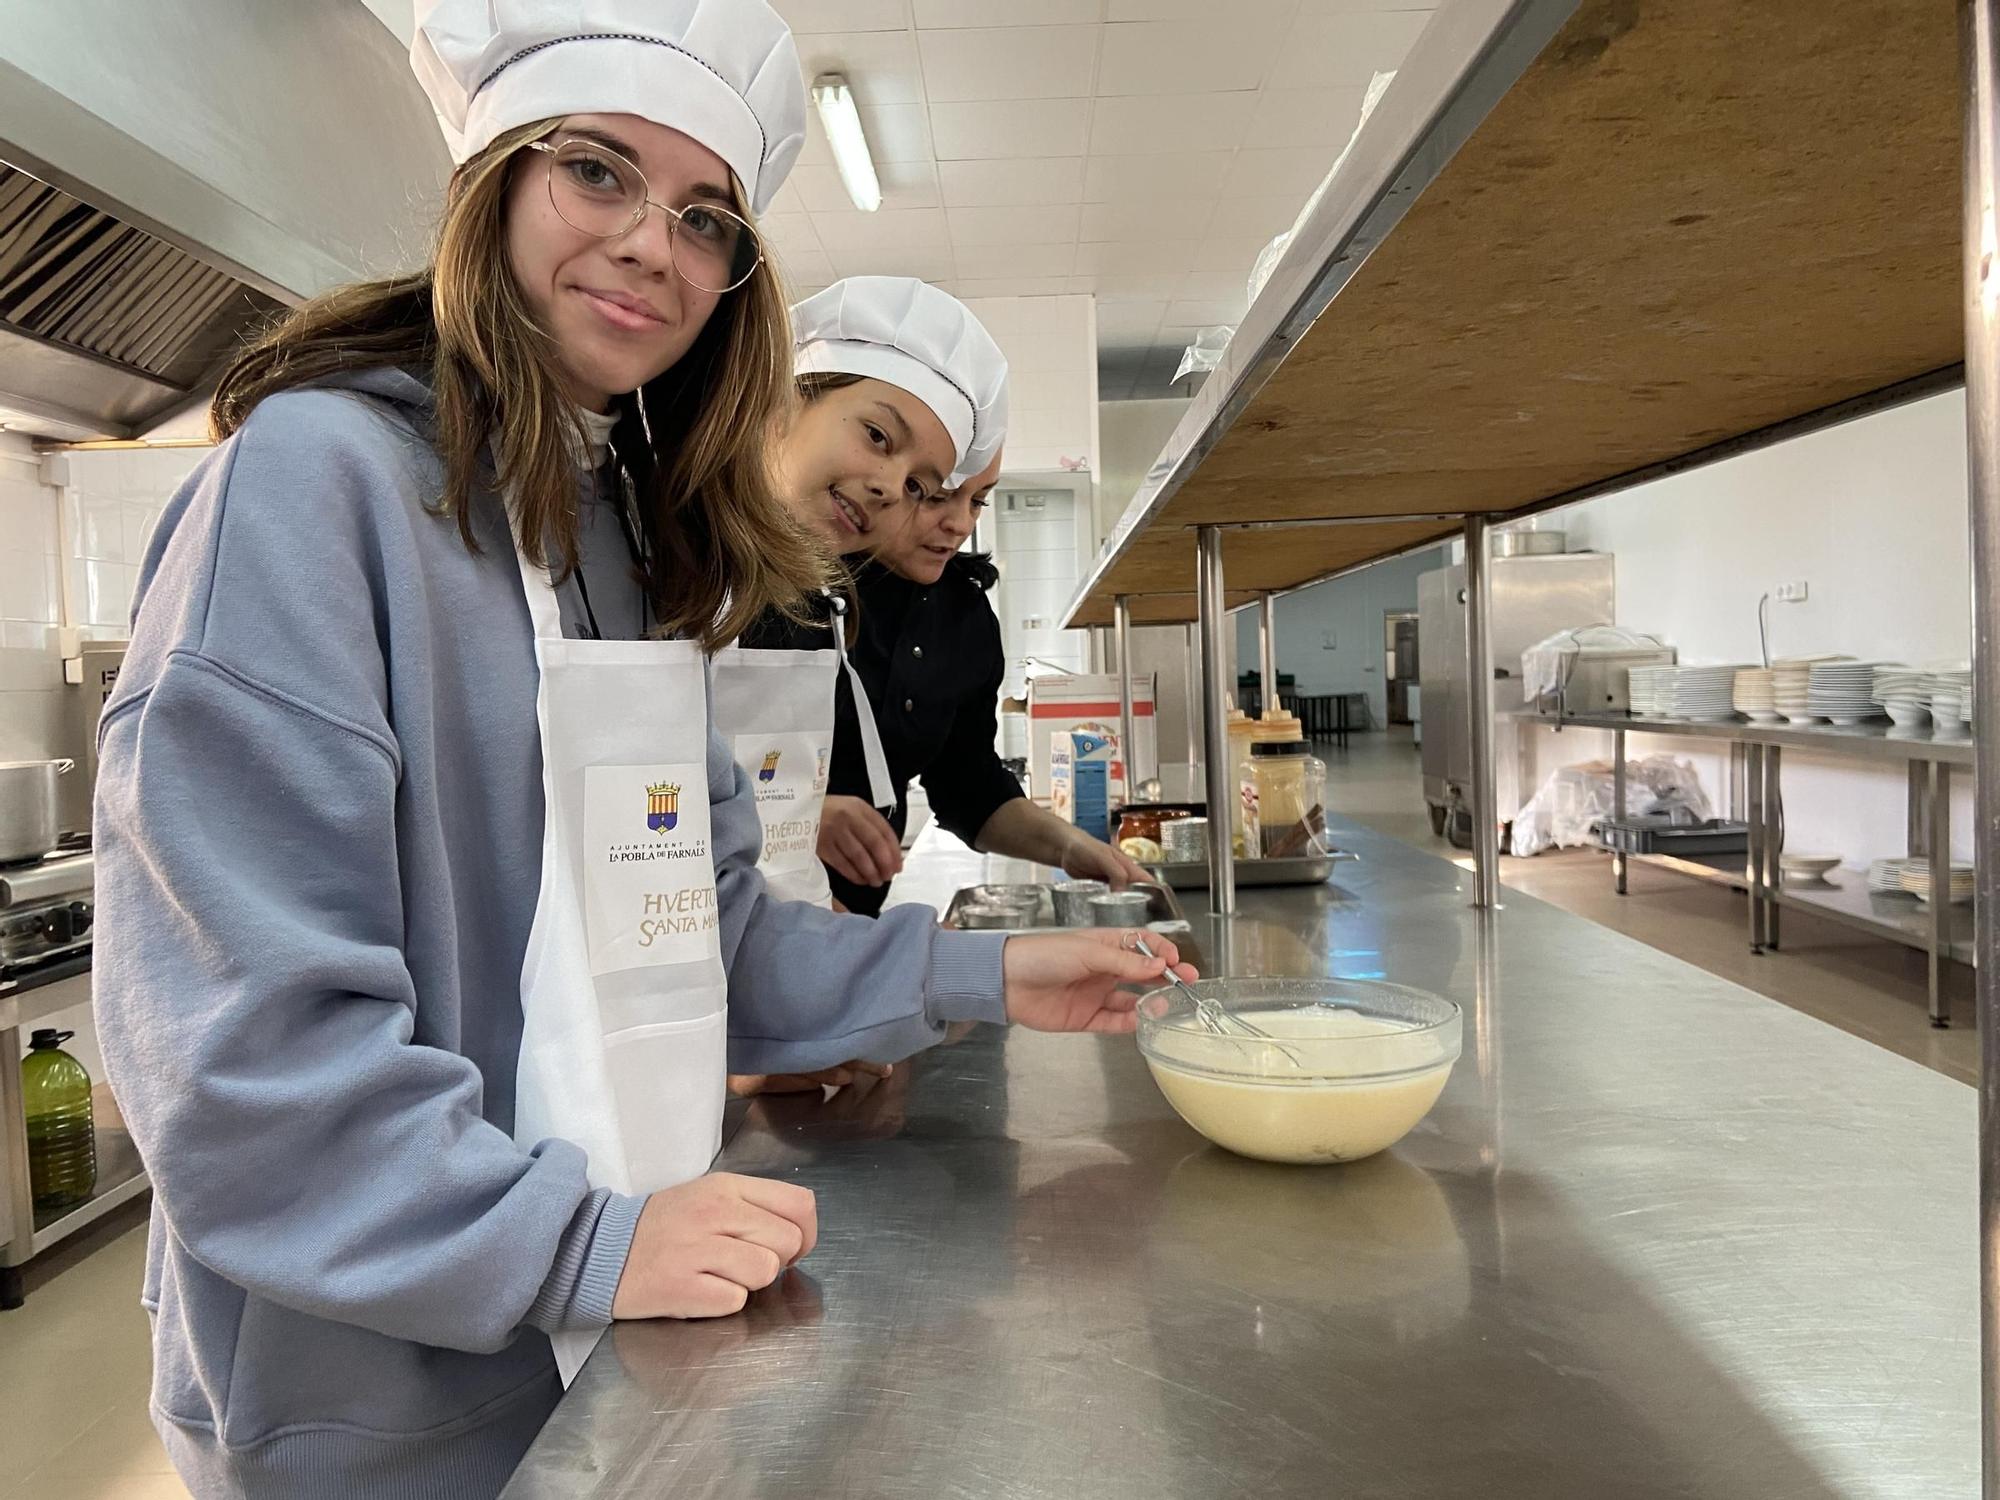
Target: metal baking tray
1305, 869
1164, 912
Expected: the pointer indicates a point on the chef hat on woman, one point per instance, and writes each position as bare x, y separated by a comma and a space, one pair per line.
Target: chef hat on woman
722, 71
912, 335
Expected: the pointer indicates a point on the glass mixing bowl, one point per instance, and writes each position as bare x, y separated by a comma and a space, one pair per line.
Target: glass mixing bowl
1362, 1062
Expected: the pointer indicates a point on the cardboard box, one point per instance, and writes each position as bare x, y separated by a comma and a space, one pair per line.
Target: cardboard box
1088, 702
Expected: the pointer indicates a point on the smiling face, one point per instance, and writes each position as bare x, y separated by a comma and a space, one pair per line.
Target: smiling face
932, 530
619, 313
858, 454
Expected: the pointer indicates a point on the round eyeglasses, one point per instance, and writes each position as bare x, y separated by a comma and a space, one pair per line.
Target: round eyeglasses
600, 193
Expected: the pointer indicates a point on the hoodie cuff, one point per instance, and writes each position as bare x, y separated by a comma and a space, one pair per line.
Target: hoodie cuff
581, 1285
965, 981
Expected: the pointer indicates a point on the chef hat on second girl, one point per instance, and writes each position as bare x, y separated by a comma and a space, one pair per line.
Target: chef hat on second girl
722, 71
912, 335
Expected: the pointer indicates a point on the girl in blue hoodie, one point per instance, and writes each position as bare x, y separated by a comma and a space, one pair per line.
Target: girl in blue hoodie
331, 835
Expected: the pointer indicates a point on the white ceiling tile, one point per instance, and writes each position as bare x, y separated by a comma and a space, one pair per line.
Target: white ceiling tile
1169, 123
1126, 317
896, 132
819, 188
1186, 174
1149, 286
1286, 172
1188, 57
844, 15
1024, 181
881, 66
1202, 285
949, 13
1254, 218
1147, 218
990, 129
1054, 224
1233, 252
804, 267
1305, 117
914, 228
908, 184
993, 262
789, 231
787, 201
1329, 50
1199, 10
1014, 62
926, 264
1138, 256
1020, 286
1206, 314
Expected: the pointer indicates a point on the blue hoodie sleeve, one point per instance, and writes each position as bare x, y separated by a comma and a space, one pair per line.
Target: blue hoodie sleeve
257, 1013
810, 988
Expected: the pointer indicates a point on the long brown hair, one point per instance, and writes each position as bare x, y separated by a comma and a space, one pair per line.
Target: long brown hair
723, 546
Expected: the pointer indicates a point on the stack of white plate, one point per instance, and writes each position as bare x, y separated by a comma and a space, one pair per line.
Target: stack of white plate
1885, 876
1917, 881
1806, 869
1756, 694
1642, 690
1791, 686
1904, 692
1842, 691
1699, 693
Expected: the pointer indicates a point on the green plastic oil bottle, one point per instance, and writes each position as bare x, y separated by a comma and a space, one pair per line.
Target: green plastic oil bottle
62, 1142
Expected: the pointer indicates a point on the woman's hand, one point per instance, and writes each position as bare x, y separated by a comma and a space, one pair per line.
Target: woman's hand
1071, 981
857, 841
1086, 858
702, 1248
743, 1085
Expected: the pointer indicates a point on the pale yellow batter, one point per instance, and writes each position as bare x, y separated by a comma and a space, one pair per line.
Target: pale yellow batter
1290, 1115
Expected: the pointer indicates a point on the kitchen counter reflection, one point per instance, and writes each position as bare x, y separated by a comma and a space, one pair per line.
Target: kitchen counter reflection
1660, 1237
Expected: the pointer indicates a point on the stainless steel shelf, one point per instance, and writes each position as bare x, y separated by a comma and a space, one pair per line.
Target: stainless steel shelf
121, 1177
1876, 742
1900, 919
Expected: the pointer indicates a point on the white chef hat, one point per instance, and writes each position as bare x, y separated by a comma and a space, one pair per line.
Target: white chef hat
722, 71
926, 341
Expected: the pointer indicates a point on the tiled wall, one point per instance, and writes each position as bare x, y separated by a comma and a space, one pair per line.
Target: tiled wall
90, 534
1051, 348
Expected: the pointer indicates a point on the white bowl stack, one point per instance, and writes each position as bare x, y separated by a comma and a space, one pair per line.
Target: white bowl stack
1842, 691
1756, 695
1950, 689
1791, 686
1903, 692
1917, 881
1702, 694
1806, 869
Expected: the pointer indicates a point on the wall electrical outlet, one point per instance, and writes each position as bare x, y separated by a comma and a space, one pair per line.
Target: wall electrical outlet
1789, 593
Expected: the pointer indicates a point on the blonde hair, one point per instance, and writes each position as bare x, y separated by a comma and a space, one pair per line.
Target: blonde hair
723, 546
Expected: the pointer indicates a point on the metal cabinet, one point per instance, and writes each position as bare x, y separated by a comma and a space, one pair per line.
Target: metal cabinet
1533, 598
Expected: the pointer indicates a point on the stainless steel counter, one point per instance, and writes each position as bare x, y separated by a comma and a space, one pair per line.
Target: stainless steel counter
1661, 1237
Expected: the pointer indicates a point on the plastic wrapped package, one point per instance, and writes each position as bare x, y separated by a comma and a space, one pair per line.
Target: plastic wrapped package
1567, 812
1546, 665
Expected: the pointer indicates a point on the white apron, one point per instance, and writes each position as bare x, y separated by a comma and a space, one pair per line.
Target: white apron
776, 709
623, 993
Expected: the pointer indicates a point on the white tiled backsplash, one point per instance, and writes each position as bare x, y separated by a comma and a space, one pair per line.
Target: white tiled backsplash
105, 514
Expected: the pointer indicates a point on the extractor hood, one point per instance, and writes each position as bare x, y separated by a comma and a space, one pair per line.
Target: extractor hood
173, 175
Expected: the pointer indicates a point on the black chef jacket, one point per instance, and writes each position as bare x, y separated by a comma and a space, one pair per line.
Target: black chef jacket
931, 659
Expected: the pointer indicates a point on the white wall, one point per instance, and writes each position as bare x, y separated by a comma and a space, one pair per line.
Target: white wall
1872, 517
1348, 612
1051, 349
1133, 433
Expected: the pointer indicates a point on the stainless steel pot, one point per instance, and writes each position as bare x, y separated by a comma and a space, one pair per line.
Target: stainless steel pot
30, 808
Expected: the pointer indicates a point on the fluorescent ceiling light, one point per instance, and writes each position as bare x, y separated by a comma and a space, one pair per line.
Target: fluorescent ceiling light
850, 147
